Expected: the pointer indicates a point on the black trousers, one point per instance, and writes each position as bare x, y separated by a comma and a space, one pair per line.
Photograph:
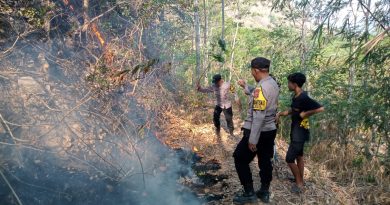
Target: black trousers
228, 116
265, 151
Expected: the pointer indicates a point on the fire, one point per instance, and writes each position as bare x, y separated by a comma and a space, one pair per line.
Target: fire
97, 33
195, 149
94, 26
66, 2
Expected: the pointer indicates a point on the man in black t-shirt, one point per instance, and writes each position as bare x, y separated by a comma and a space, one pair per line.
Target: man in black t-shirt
302, 107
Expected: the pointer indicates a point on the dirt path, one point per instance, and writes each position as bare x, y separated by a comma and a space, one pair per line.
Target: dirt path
194, 131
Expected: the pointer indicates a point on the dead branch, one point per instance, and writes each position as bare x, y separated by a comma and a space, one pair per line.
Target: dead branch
84, 100
12, 189
40, 187
10, 132
90, 148
85, 26
69, 154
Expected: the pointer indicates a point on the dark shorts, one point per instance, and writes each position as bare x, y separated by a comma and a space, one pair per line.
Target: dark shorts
294, 151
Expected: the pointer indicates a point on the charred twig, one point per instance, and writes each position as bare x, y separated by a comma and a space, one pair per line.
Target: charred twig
70, 155
136, 153
10, 132
90, 148
40, 187
145, 67
12, 189
84, 100
84, 27
14, 139
131, 143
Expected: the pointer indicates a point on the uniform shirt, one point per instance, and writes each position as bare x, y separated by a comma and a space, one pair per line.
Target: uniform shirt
262, 112
248, 120
221, 94
300, 127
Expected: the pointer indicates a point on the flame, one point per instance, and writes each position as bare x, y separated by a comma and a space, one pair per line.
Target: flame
98, 34
66, 2
195, 149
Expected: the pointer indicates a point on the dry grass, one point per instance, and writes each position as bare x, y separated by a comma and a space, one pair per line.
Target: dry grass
363, 179
191, 127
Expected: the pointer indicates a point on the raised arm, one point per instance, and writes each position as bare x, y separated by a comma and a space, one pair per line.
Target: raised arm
247, 89
205, 90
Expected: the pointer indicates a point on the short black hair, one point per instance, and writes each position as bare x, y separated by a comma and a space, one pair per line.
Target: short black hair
298, 78
260, 63
217, 78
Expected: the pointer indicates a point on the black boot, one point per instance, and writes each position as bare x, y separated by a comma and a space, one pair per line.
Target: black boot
263, 194
246, 196
218, 132
231, 133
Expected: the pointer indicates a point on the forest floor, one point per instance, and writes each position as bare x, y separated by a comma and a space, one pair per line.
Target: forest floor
192, 129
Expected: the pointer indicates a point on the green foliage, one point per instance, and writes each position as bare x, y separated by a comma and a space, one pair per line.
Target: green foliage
222, 44
218, 57
358, 161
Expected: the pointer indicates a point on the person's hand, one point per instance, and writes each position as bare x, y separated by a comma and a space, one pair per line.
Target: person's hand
252, 147
198, 86
241, 83
277, 118
302, 115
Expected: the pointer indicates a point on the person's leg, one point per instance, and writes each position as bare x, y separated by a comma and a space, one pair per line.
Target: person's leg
229, 119
297, 174
265, 153
216, 119
292, 154
301, 166
242, 158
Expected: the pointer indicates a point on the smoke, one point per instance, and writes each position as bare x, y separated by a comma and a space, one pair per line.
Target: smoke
67, 140
74, 145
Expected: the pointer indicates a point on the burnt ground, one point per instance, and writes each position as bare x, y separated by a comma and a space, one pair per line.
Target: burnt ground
214, 178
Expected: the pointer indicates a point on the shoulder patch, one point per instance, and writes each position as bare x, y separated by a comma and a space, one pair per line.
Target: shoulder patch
259, 101
232, 89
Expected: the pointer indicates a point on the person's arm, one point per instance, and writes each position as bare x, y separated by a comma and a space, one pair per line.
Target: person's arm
247, 89
312, 107
284, 113
311, 112
257, 124
258, 117
205, 90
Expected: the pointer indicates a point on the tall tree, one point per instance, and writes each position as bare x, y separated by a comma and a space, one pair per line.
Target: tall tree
223, 20
197, 41
205, 37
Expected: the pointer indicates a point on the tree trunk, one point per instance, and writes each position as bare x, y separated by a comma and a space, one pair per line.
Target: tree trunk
366, 36
303, 40
223, 20
234, 44
352, 64
205, 38
197, 41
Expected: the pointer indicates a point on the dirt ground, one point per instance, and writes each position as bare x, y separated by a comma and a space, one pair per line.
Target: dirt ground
193, 130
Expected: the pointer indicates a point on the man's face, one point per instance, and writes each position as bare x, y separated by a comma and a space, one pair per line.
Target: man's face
255, 74
219, 83
291, 86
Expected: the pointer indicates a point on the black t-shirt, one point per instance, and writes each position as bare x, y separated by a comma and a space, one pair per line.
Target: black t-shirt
300, 127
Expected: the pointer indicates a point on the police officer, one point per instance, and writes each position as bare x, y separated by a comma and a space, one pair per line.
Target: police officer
223, 102
259, 132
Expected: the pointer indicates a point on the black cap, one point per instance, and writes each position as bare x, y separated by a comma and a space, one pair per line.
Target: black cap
216, 78
260, 63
